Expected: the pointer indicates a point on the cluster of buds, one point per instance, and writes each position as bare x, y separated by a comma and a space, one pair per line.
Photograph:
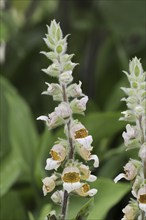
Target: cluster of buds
72, 174
135, 137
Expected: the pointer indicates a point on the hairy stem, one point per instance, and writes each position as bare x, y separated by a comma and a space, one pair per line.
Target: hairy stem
70, 156
142, 141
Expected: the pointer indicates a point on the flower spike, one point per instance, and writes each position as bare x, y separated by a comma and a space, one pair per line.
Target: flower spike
70, 173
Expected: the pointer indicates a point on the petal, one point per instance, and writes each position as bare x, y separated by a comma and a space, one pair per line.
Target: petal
92, 192
85, 142
44, 190
142, 206
71, 186
96, 160
120, 176
52, 164
92, 178
43, 118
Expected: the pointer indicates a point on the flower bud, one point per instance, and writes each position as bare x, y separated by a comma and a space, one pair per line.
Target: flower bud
48, 185
75, 90
142, 152
78, 106
57, 197
129, 212
129, 134
130, 171
55, 90
52, 70
139, 110
135, 67
66, 77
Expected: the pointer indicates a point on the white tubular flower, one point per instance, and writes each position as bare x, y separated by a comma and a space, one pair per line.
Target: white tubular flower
57, 197
130, 134
71, 179
66, 77
129, 213
78, 106
86, 155
52, 164
58, 117
85, 141
54, 90
77, 130
48, 184
142, 198
75, 90
85, 190
130, 171
58, 153
54, 120
86, 173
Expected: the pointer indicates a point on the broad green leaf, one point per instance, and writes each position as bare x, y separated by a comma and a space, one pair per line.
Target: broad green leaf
12, 207
109, 194
11, 168
85, 210
30, 216
21, 134
44, 212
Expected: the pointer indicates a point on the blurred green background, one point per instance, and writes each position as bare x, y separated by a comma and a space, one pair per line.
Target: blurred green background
105, 35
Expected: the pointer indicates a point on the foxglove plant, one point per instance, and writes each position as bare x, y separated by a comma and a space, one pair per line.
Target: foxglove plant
135, 137
66, 170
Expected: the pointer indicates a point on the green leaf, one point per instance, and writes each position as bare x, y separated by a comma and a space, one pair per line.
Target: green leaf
12, 208
21, 134
11, 168
44, 212
30, 216
85, 210
109, 194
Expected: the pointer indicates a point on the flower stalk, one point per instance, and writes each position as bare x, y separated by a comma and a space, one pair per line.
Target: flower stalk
135, 137
66, 170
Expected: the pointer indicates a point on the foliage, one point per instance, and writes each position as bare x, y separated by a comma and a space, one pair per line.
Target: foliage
105, 35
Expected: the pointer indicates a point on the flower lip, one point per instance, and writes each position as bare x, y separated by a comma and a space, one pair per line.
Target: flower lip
86, 187
71, 177
142, 199
85, 190
55, 155
82, 133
